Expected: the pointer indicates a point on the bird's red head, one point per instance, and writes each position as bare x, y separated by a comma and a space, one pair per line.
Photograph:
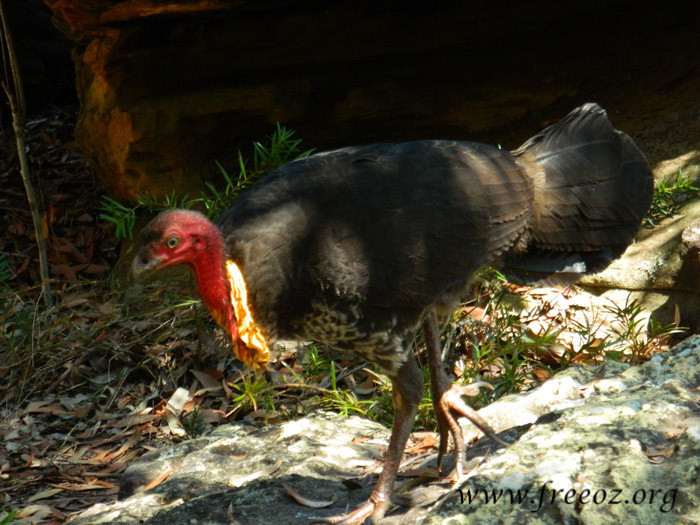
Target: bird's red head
177, 237
184, 237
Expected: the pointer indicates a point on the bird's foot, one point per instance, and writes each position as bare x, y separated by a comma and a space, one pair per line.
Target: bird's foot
450, 407
447, 400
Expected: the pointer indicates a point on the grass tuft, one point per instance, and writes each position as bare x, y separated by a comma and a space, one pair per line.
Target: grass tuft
668, 198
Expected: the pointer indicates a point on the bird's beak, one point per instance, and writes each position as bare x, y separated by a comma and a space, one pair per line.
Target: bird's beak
143, 266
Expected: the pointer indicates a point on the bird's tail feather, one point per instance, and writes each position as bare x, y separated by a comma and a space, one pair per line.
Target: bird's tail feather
592, 185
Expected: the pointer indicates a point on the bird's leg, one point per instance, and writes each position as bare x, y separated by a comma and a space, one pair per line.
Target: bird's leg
444, 428
407, 388
447, 399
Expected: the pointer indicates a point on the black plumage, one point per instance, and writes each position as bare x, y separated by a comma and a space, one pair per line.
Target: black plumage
376, 234
379, 233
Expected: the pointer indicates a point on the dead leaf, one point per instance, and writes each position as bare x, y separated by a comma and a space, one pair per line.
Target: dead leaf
64, 271
42, 407
361, 463
211, 415
80, 487
308, 502
108, 308
133, 439
125, 459
157, 481
71, 301
541, 375
430, 441
35, 511
676, 316
96, 268
130, 421
366, 387
239, 482
174, 425
43, 494
207, 381
60, 244
34, 406
177, 401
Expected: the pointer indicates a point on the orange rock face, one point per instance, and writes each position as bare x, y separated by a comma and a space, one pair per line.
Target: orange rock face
170, 87
128, 135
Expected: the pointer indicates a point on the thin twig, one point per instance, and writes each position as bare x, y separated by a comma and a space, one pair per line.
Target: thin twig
15, 96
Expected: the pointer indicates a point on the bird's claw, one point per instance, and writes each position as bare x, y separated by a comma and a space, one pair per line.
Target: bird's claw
451, 407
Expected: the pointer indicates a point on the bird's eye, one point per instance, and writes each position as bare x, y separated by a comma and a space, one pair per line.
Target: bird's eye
172, 242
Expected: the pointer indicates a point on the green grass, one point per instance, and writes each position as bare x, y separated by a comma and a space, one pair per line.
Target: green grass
252, 393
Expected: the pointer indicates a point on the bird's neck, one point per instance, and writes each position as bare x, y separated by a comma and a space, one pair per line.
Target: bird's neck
213, 286
221, 284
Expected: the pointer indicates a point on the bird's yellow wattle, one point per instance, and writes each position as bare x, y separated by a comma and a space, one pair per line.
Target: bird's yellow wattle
248, 330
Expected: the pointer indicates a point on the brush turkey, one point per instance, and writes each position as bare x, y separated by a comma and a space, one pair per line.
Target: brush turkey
359, 247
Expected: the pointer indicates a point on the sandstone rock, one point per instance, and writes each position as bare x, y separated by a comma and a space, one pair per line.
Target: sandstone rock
614, 430
659, 269
169, 87
609, 444
691, 236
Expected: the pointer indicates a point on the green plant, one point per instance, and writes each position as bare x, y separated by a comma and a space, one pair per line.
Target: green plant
636, 333
280, 149
194, 424
592, 343
253, 392
317, 365
346, 403
123, 218
118, 216
499, 341
668, 198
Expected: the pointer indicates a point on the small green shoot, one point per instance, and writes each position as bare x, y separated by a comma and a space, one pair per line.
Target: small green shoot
253, 392
7, 516
5, 271
316, 365
118, 216
346, 403
668, 198
636, 332
194, 424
